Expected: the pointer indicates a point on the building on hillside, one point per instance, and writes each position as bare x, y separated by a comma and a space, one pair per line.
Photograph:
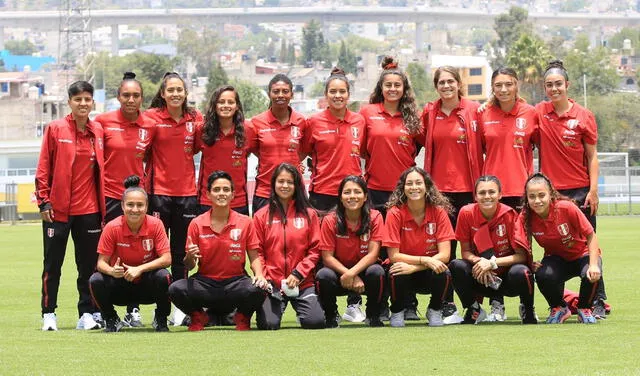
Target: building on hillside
475, 72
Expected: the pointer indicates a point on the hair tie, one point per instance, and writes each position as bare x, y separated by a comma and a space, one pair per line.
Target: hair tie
393, 65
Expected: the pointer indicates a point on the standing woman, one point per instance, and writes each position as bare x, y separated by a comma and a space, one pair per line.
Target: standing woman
453, 153
128, 135
567, 139
494, 254
224, 147
392, 127
334, 140
133, 257
171, 177
289, 231
506, 128
418, 238
350, 244
570, 248
70, 195
276, 137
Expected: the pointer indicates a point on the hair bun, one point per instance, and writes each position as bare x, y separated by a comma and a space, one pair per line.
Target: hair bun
555, 64
337, 71
132, 181
129, 76
388, 63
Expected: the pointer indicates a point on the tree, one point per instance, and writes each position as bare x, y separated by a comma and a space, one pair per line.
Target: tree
283, 50
20, 47
271, 50
633, 34
347, 60
421, 83
529, 57
618, 120
254, 100
509, 27
314, 47
291, 54
594, 64
201, 48
217, 77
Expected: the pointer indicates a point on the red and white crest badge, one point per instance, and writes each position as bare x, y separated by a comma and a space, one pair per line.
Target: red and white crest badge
355, 132
563, 229
474, 125
298, 222
295, 131
147, 244
501, 230
572, 123
364, 237
143, 133
521, 123
190, 127
430, 228
235, 234
50, 232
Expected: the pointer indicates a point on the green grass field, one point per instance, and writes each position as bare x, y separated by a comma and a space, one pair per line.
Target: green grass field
608, 348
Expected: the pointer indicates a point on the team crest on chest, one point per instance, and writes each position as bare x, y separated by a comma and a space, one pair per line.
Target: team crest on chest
147, 244
521, 123
235, 234
355, 132
430, 228
364, 237
298, 222
501, 230
143, 133
190, 127
295, 131
474, 125
572, 123
563, 229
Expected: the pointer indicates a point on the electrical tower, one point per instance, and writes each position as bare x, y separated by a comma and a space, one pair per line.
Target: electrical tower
75, 44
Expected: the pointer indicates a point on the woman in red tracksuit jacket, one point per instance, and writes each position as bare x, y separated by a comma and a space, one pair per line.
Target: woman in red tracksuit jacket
70, 195
289, 233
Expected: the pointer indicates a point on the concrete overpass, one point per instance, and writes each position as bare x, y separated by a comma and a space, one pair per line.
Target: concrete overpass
50, 20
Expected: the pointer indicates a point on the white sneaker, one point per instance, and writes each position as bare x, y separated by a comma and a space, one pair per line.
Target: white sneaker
354, 313
86, 322
49, 322
452, 319
397, 319
497, 312
178, 317
133, 319
97, 317
435, 317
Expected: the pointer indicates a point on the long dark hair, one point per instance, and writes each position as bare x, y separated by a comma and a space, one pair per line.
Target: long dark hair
554, 196
159, 102
211, 129
300, 199
433, 196
365, 217
407, 105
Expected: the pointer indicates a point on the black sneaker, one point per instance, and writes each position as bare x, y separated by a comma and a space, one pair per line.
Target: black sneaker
331, 322
160, 324
113, 324
474, 314
411, 314
529, 316
599, 311
385, 313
